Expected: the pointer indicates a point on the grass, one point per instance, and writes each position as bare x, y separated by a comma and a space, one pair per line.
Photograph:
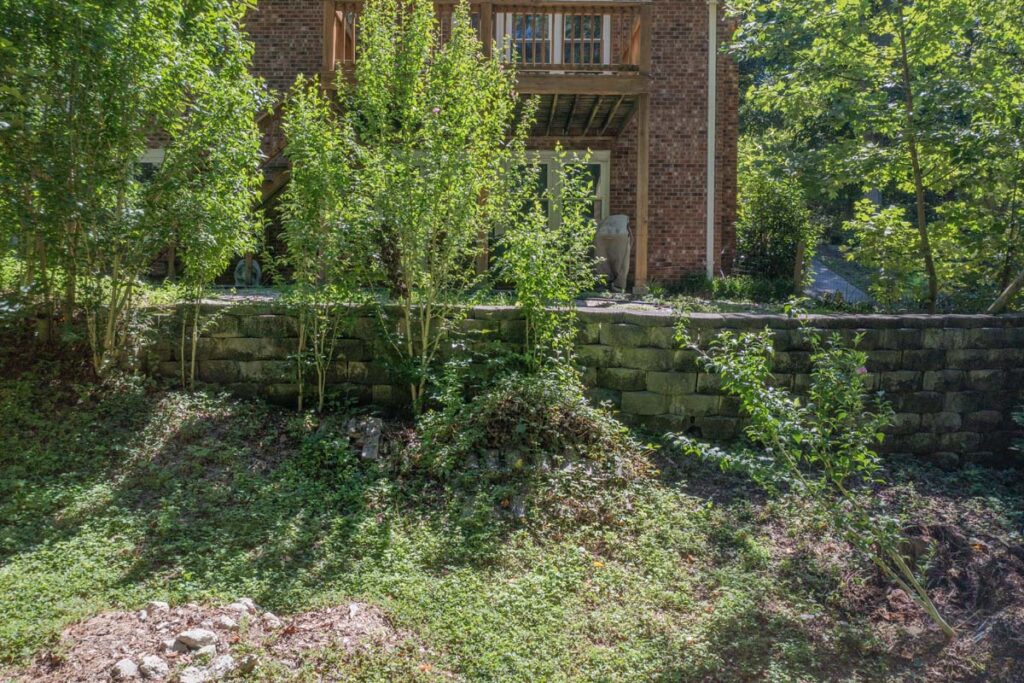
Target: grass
113, 496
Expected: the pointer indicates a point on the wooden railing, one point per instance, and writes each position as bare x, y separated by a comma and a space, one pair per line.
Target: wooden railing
600, 36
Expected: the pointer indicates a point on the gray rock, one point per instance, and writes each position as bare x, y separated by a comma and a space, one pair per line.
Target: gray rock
221, 667
271, 621
194, 674
244, 606
125, 670
225, 622
196, 638
208, 651
153, 667
156, 607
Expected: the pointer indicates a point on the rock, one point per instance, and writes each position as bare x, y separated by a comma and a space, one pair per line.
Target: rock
271, 621
157, 606
221, 667
175, 645
142, 615
208, 651
125, 670
353, 610
153, 667
225, 622
247, 664
244, 605
196, 638
206, 623
193, 674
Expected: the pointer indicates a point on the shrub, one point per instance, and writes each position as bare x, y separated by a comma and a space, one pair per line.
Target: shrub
530, 438
772, 224
549, 266
821, 448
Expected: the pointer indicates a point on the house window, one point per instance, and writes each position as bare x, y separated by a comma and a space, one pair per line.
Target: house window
550, 39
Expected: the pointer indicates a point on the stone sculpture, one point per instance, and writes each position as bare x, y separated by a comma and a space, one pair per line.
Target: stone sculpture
612, 245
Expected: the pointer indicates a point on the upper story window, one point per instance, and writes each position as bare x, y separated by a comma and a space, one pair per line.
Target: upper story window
555, 38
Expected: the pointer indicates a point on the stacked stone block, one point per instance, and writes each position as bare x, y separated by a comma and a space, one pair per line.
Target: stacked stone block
954, 381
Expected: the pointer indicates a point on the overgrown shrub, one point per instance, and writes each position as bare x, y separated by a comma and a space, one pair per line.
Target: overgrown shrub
820, 448
772, 225
531, 439
738, 287
549, 266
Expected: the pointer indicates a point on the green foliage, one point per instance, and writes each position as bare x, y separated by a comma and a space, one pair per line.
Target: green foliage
738, 288
430, 124
919, 103
111, 498
94, 83
531, 439
325, 249
549, 266
772, 226
821, 449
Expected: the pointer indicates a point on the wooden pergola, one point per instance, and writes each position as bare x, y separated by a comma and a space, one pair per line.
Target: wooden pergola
587, 62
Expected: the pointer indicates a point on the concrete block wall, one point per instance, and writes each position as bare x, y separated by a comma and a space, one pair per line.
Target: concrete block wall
954, 381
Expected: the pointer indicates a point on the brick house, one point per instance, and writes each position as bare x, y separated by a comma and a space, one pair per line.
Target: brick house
627, 79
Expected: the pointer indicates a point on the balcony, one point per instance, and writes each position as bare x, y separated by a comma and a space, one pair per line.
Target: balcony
587, 63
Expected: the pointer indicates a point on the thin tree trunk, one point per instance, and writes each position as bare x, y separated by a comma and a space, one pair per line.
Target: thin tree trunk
1000, 304
915, 161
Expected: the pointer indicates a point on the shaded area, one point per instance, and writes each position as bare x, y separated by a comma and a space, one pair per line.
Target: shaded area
111, 497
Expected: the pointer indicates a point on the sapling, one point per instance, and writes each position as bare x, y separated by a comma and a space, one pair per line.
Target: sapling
550, 266
821, 448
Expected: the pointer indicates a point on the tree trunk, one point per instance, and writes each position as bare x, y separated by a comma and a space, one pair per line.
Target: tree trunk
915, 161
1000, 304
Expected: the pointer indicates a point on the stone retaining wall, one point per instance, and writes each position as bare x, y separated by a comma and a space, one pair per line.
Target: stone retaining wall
953, 380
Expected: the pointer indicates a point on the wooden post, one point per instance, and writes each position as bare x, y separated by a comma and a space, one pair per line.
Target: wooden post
487, 27
330, 43
643, 146
643, 143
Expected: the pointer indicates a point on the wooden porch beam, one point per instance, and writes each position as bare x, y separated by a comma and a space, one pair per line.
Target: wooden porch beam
597, 84
643, 143
593, 115
611, 114
551, 115
330, 43
572, 113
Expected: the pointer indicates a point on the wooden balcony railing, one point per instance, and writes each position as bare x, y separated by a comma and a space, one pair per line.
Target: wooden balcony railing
565, 38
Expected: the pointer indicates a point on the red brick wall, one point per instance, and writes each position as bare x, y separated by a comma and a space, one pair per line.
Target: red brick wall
288, 35
678, 148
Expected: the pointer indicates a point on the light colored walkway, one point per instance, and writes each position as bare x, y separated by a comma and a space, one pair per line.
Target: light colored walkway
827, 281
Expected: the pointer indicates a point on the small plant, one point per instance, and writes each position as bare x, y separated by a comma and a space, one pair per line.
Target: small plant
531, 438
820, 449
550, 265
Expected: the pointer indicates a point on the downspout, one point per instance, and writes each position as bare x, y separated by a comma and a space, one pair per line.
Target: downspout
712, 125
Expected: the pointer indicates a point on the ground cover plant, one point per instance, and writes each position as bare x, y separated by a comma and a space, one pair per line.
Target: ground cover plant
112, 496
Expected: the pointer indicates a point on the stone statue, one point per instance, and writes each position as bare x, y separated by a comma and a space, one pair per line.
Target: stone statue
612, 245
251, 278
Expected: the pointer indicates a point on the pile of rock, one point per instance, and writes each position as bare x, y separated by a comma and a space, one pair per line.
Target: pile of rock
203, 649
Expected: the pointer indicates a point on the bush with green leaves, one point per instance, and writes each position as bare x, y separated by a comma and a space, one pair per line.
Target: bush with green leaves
549, 265
95, 83
320, 229
773, 226
821, 448
432, 122
530, 439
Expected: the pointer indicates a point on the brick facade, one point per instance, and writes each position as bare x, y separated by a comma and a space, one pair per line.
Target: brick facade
289, 41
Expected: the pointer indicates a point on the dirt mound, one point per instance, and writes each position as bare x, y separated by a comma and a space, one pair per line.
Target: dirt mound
196, 644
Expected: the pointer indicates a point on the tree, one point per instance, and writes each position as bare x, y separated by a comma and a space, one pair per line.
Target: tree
432, 123
911, 99
97, 81
319, 227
